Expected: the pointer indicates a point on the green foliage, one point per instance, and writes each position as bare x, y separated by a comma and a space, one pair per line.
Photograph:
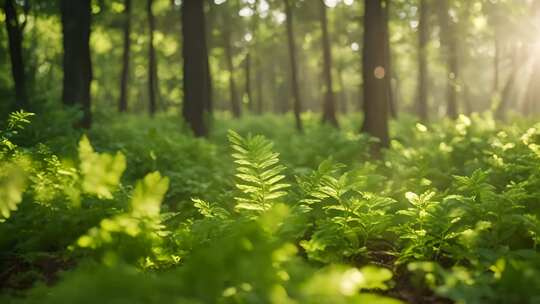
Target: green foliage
258, 171
142, 221
460, 219
12, 186
347, 218
100, 172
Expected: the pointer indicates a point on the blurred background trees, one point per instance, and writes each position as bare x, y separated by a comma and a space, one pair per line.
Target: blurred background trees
428, 58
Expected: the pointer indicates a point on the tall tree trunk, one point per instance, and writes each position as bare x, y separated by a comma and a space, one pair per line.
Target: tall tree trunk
449, 41
467, 100
423, 38
374, 74
235, 101
275, 88
532, 93
209, 106
14, 31
196, 87
210, 25
388, 59
297, 106
506, 94
123, 104
344, 104
250, 100
260, 89
496, 60
258, 66
152, 65
329, 104
77, 65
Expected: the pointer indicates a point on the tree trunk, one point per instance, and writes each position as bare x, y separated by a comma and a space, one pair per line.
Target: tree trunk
250, 100
423, 38
77, 65
123, 104
196, 86
297, 106
260, 89
342, 93
496, 60
388, 60
506, 94
152, 65
532, 93
235, 102
329, 104
15, 38
258, 63
449, 41
373, 74
209, 106
210, 25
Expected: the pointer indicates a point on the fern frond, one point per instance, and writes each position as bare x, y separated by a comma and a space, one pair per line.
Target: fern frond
259, 174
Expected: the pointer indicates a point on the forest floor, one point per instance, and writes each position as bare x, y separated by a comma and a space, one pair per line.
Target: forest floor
136, 210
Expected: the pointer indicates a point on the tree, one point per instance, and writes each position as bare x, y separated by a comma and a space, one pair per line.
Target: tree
508, 89
229, 54
15, 37
247, 65
423, 38
532, 93
373, 75
388, 60
123, 104
329, 104
196, 78
297, 107
152, 66
77, 64
450, 44
259, 75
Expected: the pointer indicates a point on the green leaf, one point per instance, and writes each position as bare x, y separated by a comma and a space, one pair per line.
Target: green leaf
101, 172
148, 195
12, 186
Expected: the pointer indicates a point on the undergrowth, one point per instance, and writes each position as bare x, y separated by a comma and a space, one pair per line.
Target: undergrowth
138, 211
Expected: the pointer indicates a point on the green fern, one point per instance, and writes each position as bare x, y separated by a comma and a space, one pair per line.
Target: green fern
258, 172
12, 186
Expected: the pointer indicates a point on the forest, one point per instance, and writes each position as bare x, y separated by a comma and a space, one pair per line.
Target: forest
269, 151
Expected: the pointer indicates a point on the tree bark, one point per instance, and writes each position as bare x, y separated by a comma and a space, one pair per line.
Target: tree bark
209, 106
532, 93
152, 65
329, 104
15, 38
374, 74
249, 95
496, 60
297, 106
344, 103
260, 89
14, 31
388, 59
123, 104
195, 54
77, 64
423, 38
227, 43
449, 41
508, 88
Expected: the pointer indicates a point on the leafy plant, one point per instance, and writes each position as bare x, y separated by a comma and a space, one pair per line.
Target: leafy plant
258, 171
